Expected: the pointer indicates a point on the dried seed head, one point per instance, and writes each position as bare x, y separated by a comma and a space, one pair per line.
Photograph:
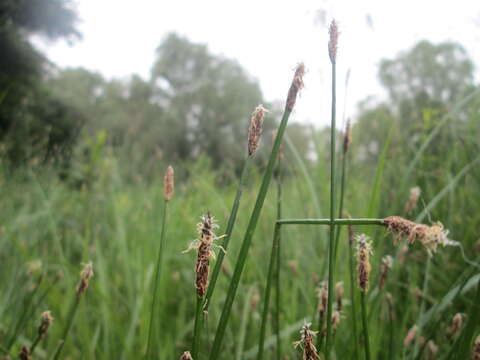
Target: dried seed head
333, 42
186, 356
322, 294
297, 85
255, 129
432, 350
347, 138
429, 236
85, 275
24, 353
364, 250
412, 201
306, 342
410, 336
457, 322
476, 349
293, 265
387, 263
335, 319
168, 184
46, 320
339, 295
206, 236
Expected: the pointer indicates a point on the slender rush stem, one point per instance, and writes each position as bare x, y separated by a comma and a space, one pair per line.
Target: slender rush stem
266, 295
197, 327
277, 267
242, 257
153, 309
422, 307
228, 231
352, 295
331, 245
365, 326
71, 316
342, 195
328, 222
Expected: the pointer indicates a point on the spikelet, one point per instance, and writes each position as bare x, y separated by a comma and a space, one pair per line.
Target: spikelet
306, 342
255, 129
335, 320
85, 276
432, 350
412, 201
24, 353
387, 263
46, 320
186, 356
297, 85
364, 250
339, 295
476, 349
333, 42
410, 336
347, 138
429, 236
322, 294
457, 322
168, 184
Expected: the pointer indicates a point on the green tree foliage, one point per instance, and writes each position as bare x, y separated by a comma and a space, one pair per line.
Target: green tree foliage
33, 124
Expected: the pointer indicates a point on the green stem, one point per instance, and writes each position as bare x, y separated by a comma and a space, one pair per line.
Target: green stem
328, 221
242, 257
228, 231
278, 262
153, 309
422, 306
331, 247
342, 195
71, 316
197, 328
266, 296
365, 326
352, 295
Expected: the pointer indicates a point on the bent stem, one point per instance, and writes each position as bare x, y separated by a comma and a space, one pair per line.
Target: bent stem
153, 309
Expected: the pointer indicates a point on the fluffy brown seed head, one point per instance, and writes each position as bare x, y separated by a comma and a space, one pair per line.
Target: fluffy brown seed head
322, 293
255, 129
347, 138
306, 342
186, 356
364, 250
429, 236
168, 184
412, 201
46, 320
457, 322
476, 349
206, 237
339, 295
333, 42
410, 336
387, 262
297, 85
85, 276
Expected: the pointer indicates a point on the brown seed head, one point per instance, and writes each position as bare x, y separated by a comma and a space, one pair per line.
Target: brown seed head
306, 342
410, 336
24, 353
412, 201
347, 138
322, 294
364, 250
387, 263
46, 320
335, 319
255, 129
297, 85
457, 322
85, 275
206, 236
339, 295
476, 349
186, 356
432, 350
333, 42
168, 184
429, 236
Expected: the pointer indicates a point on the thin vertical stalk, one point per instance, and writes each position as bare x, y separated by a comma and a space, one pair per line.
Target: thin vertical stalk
331, 247
149, 354
342, 195
252, 224
197, 327
352, 295
278, 263
422, 306
365, 325
70, 317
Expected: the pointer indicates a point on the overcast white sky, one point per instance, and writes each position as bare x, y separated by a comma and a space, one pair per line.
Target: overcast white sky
269, 37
